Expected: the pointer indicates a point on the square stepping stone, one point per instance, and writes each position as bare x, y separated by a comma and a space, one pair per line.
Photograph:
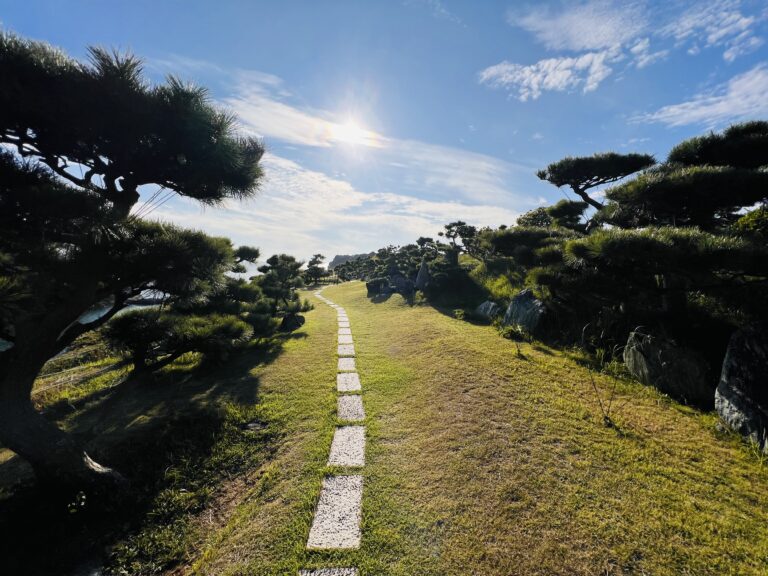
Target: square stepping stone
346, 350
346, 330
341, 310
348, 447
346, 365
330, 572
345, 338
343, 323
348, 382
337, 517
343, 319
350, 408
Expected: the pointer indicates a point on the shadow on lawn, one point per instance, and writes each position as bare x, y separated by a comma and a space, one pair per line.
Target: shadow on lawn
174, 438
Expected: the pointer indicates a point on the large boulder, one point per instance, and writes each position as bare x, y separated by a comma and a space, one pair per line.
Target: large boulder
525, 310
401, 284
487, 310
677, 371
423, 277
377, 286
741, 398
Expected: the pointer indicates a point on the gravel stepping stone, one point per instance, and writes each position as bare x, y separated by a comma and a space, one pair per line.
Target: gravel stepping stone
345, 338
330, 572
343, 330
337, 518
343, 324
350, 408
346, 350
348, 382
348, 447
346, 365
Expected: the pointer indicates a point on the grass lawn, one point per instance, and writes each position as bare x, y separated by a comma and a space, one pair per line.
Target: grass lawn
483, 462
480, 460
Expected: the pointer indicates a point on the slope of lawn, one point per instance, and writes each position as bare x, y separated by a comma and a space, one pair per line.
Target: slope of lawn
193, 442
483, 460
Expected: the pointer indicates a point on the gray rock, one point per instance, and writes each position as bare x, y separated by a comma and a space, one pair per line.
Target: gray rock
423, 277
402, 285
741, 398
677, 371
488, 310
525, 310
377, 286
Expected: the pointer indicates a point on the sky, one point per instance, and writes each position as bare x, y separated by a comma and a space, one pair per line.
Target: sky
386, 119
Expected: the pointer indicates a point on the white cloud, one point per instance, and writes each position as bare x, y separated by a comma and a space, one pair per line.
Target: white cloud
603, 32
717, 23
477, 177
552, 74
642, 53
302, 211
742, 97
591, 25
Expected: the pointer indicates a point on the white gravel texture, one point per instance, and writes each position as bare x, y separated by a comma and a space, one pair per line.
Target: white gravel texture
330, 572
348, 382
346, 350
348, 447
350, 408
337, 518
346, 365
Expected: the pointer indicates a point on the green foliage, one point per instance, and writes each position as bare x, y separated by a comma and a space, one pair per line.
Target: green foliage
586, 172
536, 218
705, 196
740, 146
315, 270
281, 277
153, 338
567, 214
754, 222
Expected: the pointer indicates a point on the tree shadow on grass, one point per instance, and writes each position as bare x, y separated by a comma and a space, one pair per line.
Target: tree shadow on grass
175, 438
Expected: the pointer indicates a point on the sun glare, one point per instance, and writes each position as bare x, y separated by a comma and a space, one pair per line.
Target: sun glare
350, 132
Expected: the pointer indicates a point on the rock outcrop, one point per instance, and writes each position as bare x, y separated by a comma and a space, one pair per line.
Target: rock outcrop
487, 310
423, 277
741, 398
677, 371
525, 310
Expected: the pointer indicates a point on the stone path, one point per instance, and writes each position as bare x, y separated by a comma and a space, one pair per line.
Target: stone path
336, 524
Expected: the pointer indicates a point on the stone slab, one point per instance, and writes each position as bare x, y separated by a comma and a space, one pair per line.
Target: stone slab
346, 365
345, 338
330, 572
344, 324
343, 330
350, 408
337, 518
348, 382
346, 350
348, 447
341, 310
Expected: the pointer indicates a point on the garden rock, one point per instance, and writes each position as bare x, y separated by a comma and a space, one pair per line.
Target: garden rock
402, 285
674, 370
487, 310
741, 398
422, 278
525, 310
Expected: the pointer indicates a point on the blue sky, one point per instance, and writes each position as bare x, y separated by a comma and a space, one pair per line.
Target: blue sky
386, 119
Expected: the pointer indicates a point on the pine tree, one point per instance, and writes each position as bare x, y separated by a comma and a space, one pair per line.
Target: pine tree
86, 137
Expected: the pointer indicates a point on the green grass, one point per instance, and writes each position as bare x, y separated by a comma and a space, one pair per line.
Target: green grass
480, 460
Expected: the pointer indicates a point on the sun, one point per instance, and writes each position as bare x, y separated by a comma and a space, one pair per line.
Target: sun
350, 132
